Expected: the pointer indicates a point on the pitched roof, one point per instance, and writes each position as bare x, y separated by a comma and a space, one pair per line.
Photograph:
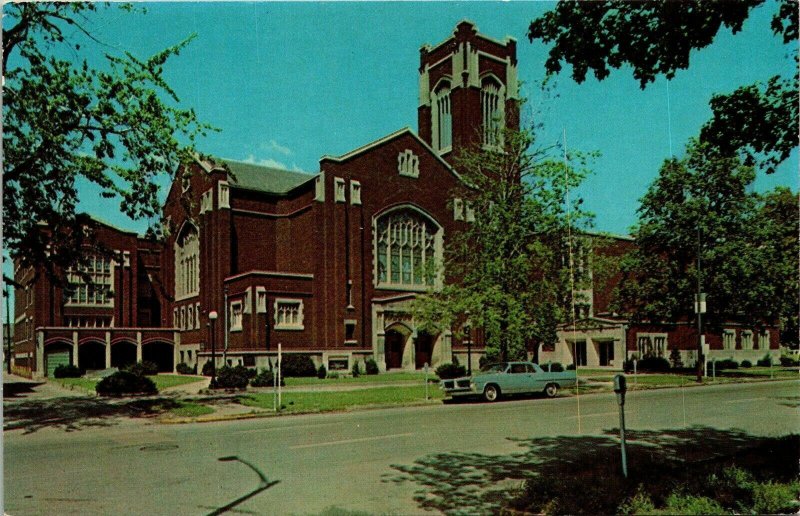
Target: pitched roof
264, 179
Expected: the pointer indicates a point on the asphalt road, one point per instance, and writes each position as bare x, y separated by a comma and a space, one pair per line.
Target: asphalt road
455, 458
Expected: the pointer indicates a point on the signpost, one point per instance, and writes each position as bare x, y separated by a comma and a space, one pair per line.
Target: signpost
279, 375
426, 382
620, 387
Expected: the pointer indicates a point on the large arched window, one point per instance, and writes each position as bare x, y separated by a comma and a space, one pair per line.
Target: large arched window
187, 263
492, 111
408, 249
442, 118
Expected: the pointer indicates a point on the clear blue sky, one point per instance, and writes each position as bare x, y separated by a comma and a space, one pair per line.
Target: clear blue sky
289, 82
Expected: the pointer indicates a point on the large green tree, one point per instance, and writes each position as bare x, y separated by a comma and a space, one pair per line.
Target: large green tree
759, 121
702, 205
506, 269
65, 120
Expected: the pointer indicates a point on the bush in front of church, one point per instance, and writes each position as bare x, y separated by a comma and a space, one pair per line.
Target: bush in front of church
297, 366
124, 383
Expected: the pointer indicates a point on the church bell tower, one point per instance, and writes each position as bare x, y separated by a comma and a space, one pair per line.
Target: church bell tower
468, 91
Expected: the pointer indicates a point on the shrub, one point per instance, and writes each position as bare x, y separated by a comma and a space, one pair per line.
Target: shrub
449, 371
640, 503
297, 366
490, 356
207, 368
653, 364
727, 363
570, 367
774, 498
685, 504
788, 361
125, 382
356, 371
144, 368
183, 368
766, 361
264, 379
232, 377
553, 367
371, 366
68, 371
322, 373
746, 364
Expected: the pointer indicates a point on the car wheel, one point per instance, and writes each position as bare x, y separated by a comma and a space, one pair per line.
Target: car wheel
551, 390
491, 393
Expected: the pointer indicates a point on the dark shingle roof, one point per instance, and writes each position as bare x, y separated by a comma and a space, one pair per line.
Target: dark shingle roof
264, 179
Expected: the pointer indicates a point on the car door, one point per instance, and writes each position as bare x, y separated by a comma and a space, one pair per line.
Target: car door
535, 380
516, 378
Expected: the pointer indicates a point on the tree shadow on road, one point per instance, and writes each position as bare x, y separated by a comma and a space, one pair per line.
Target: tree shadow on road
474, 483
76, 413
13, 389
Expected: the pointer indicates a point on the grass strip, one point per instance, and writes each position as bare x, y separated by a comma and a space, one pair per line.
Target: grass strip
190, 409
298, 402
362, 379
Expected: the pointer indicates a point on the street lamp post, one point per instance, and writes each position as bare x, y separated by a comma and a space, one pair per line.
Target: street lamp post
212, 317
468, 339
700, 309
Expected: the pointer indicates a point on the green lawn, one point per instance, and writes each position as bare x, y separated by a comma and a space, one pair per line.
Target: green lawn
162, 381
190, 409
372, 378
329, 401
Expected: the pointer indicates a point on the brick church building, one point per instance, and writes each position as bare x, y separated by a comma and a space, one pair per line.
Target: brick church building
325, 264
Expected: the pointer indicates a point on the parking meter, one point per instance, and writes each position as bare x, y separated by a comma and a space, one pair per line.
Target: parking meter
620, 386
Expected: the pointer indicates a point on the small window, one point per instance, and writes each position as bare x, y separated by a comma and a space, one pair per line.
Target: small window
458, 209
350, 331
747, 340
182, 318
339, 192
261, 300
186, 181
235, 317
249, 361
338, 364
729, 339
288, 314
319, 187
197, 316
355, 192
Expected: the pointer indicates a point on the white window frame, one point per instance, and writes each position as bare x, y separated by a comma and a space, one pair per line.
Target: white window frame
355, 193
763, 340
182, 318
338, 189
729, 339
319, 187
261, 300
234, 322
747, 340
653, 336
224, 192
278, 313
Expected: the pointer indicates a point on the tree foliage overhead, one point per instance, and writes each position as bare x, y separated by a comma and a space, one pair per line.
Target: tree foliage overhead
657, 38
66, 121
505, 269
747, 245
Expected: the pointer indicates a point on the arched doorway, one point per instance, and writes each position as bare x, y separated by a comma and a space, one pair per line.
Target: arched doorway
424, 349
123, 354
394, 342
161, 354
92, 355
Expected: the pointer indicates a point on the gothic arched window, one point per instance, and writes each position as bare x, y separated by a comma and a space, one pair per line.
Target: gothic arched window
442, 118
492, 111
187, 263
407, 249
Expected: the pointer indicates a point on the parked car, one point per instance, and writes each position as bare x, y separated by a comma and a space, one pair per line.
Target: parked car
504, 378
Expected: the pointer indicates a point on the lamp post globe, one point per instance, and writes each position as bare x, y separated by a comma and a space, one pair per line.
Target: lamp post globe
212, 316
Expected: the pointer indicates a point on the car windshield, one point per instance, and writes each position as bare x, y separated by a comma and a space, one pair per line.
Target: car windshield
494, 368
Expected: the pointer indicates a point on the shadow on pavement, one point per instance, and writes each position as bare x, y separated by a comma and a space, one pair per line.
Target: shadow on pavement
13, 389
474, 483
76, 413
